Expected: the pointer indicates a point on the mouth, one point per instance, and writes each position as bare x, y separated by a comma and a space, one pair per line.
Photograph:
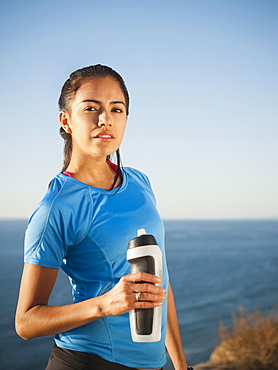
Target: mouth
106, 136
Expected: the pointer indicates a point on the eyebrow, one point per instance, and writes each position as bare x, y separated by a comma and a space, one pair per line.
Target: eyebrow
99, 102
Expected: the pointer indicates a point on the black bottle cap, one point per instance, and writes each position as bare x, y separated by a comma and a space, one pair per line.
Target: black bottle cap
141, 240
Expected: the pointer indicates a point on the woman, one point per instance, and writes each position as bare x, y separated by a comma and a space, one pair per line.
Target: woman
83, 225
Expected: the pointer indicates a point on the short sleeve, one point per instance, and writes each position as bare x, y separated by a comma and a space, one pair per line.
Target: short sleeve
45, 244
55, 224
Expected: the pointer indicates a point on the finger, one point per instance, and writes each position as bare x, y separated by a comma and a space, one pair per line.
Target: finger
149, 297
145, 304
143, 276
144, 287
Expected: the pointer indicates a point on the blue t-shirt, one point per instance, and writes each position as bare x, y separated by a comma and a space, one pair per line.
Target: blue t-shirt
85, 231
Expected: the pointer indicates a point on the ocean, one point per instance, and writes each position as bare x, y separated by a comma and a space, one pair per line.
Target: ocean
216, 268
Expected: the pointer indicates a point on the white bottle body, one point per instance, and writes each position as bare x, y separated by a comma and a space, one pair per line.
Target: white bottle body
154, 252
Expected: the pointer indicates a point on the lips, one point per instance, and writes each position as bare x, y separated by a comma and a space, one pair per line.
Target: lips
104, 135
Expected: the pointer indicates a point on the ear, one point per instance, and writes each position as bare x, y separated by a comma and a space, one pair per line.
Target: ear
64, 120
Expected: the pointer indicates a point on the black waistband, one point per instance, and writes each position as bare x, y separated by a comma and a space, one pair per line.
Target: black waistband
62, 358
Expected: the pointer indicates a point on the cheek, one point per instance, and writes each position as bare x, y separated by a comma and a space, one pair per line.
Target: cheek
123, 125
81, 132
122, 134
122, 131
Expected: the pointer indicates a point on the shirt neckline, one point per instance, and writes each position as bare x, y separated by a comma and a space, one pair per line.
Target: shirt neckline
113, 191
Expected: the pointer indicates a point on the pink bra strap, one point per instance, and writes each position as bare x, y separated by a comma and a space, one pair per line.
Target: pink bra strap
67, 173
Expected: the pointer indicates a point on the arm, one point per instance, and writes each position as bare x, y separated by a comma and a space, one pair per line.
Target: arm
173, 339
35, 318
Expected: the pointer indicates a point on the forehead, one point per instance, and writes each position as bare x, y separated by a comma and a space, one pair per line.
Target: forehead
100, 88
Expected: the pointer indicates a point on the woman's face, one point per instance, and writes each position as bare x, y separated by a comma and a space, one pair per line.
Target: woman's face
97, 118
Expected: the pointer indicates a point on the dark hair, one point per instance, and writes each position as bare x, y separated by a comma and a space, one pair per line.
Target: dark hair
70, 87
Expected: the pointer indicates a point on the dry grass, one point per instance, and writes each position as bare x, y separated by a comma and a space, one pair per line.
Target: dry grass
252, 343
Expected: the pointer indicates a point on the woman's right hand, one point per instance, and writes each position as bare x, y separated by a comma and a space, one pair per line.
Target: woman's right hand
122, 297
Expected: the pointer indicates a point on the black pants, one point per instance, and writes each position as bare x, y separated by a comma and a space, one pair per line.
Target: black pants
66, 359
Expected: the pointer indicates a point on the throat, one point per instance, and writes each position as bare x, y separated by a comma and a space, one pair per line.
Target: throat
106, 177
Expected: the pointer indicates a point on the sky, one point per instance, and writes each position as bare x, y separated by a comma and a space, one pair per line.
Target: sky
203, 81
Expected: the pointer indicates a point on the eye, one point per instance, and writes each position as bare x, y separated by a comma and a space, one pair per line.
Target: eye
90, 109
117, 110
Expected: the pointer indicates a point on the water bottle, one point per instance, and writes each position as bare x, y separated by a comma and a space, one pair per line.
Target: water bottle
144, 255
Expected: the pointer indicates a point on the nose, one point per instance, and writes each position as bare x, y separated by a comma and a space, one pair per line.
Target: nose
104, 119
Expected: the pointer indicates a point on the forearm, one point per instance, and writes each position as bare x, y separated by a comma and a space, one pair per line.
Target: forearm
35, 318
173, 338
42, 320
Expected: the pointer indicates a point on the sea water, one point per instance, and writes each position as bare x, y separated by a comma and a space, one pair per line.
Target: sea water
216, 268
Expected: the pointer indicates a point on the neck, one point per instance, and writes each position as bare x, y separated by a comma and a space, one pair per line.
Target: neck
97, 173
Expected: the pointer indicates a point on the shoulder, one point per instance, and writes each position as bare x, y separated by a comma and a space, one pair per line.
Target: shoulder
65, 203
65, 192
137, 175
141, 181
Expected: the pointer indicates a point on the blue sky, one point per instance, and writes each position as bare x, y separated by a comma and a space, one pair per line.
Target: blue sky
202, 75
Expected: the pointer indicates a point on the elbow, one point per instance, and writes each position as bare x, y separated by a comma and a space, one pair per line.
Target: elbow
20, 328
21, 333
